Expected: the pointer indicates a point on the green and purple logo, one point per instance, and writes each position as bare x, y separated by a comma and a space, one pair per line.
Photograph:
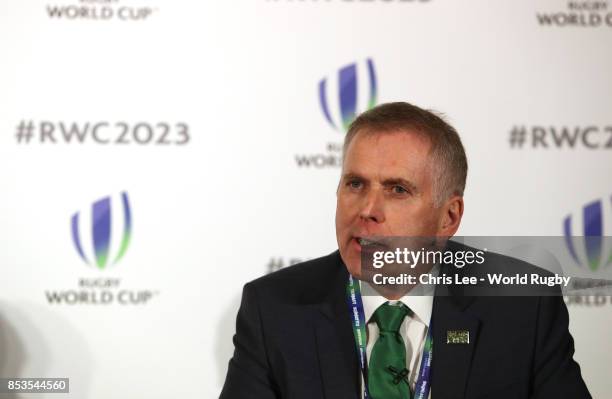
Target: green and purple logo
99, 225
590, 249
347, 97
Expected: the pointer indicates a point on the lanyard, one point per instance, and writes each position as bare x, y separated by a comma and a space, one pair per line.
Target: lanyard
355, 303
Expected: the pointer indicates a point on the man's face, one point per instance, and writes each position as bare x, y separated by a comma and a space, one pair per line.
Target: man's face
386, 189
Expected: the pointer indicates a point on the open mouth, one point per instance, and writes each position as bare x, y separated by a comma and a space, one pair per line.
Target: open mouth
369, 241
370, 244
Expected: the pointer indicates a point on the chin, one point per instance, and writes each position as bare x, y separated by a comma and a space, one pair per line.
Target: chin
355, 271
353, 265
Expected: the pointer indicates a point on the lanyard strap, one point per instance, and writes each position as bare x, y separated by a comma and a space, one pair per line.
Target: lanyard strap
355, 303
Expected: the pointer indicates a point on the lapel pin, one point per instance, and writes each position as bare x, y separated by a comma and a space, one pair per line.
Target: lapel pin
457, 337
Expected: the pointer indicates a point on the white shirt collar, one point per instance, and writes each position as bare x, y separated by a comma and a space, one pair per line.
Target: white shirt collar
419, 300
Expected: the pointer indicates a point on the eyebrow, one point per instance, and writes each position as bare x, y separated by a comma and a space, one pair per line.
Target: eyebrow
392, 181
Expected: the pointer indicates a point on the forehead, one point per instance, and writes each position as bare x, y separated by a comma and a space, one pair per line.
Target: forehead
388, 154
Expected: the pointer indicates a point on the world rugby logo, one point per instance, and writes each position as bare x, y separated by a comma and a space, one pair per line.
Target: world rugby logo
97, 228
355, 92
589, 249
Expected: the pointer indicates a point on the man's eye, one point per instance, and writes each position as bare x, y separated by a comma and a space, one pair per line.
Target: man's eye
399, 190
354, 184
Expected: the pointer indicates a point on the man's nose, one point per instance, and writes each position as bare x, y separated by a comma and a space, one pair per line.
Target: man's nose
373, 206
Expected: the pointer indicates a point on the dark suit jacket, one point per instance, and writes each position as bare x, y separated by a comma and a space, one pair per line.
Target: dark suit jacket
294, 340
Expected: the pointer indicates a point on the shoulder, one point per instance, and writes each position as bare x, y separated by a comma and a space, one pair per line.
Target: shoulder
500, 274
495, 262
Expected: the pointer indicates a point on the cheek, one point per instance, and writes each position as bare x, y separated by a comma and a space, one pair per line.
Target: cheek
410, 221
344, 210
429, 223
341, 219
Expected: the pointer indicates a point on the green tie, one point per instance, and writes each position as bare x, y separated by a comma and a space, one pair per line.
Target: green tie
387, 373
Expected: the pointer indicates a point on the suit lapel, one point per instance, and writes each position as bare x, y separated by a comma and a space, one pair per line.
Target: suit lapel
337, 360
335, 343
451, 361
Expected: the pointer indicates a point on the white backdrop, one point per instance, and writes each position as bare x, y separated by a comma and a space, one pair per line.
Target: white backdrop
231, 90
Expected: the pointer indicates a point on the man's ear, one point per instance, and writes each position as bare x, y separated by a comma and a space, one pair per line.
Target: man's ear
451, 217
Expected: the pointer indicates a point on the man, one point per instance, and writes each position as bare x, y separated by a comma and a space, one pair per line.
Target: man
403, 174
